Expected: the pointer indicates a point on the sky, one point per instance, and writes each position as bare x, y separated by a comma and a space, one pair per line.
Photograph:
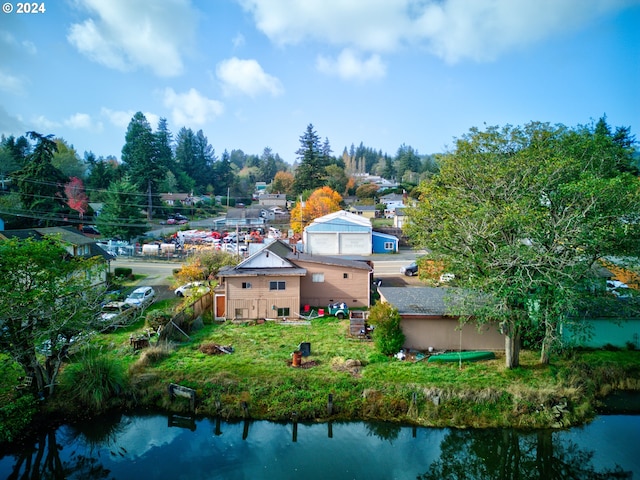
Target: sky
255, 73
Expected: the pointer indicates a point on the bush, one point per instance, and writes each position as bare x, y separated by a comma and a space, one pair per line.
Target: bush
156, 319
122, 272
15, 416
387, 335
96, 378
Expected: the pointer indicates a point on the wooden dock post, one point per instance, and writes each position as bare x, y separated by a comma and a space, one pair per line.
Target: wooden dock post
180, 391
330, 404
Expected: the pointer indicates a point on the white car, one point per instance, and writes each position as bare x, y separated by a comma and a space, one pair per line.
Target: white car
191, 288
141, 297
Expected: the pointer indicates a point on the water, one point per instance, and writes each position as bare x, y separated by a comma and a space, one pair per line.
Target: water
160, 447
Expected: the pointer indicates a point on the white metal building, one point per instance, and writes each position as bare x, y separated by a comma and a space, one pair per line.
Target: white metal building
338, 233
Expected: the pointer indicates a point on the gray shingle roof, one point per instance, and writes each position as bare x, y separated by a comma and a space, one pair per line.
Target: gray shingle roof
417, 300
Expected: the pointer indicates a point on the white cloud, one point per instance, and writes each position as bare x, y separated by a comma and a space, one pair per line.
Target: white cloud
246, 77
11, 125
127, 34
11, 84
122, 118
43, 124
454, 30
191, 108
350, 66
83, 121
238, 41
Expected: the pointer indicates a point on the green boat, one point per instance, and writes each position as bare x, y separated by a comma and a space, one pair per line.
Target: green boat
470, 356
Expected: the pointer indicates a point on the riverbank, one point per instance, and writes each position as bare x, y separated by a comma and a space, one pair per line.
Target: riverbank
344, 378
246, 371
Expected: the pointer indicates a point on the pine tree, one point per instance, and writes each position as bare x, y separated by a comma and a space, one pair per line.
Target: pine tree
310, 172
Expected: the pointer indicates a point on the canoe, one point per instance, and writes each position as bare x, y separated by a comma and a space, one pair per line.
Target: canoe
470, 356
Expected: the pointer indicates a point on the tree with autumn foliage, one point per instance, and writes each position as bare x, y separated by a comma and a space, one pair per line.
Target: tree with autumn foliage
282, 183
76, 197
321, 202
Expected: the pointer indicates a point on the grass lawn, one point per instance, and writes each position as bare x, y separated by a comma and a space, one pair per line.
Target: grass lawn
362, 383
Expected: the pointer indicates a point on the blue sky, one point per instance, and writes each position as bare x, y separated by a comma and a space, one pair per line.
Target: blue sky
254, 73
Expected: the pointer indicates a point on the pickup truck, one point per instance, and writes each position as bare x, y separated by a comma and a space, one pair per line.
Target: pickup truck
116, 314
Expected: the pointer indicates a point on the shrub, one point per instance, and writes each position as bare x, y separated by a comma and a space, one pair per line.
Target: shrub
387, 335
96, 378
15, 416
156, 319
122, 272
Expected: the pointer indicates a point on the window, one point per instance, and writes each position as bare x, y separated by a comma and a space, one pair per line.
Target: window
241, 313
276, 285
246, 284
317, 278
345, 275
283, 312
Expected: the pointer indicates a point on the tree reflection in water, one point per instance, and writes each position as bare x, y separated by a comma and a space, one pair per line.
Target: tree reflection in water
503, 454
89, 451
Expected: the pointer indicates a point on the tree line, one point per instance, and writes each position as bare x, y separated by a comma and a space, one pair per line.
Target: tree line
43, 180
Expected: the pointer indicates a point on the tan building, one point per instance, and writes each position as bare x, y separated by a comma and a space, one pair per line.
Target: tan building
277, 282
425, 322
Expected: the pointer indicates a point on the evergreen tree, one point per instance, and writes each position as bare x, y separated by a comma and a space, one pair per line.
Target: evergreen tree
41, 185
144, 165
121, 214
66, 159
310, 172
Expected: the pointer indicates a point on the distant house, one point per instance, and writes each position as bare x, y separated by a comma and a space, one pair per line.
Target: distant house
400, 218
384, 243
277, 281
366, 211
426, 323
184, 198
244, 218
272, 200
338, 233
76, 244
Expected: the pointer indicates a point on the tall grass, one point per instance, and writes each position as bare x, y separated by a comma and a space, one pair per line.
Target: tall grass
96, 378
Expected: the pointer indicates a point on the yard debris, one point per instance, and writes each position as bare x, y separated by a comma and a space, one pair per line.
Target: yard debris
215, 349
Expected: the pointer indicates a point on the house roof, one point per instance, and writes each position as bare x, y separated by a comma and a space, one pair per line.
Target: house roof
67, 234
417, 300
287, 258
238, 213
340, 220
328, 260
385, 236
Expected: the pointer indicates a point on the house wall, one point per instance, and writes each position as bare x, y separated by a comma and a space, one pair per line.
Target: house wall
443, 333
379, 242
258, 301
353, 290
605, 331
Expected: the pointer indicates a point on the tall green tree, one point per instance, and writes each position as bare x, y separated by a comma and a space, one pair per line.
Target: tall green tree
47, 300
520, 215
144, 165
102, 171
121, 214
66, 159
41, 184
310, 172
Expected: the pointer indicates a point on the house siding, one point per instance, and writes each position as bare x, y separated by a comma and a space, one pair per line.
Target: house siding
605, 331
353, 290
444, 333
258, 301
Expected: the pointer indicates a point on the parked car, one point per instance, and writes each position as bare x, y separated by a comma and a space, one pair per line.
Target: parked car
409, 270
141, 297
191, 288
115, 314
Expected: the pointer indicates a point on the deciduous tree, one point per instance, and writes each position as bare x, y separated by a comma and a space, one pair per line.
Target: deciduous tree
321, 202
520, 215
47, 301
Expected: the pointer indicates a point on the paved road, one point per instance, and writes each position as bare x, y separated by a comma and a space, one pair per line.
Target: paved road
159, 273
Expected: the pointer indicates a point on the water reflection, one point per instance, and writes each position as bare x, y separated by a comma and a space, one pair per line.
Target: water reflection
157, 446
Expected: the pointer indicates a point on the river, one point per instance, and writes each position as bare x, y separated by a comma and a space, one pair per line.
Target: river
172, 447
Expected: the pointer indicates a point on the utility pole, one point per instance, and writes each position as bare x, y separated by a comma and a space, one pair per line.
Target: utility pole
149, 203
